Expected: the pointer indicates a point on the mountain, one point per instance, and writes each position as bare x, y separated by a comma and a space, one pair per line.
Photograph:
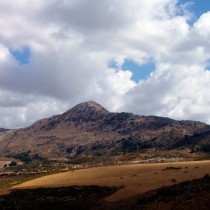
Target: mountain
89, 129
3, 130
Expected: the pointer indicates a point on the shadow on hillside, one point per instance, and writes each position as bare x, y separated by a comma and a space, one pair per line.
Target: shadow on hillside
187, 195
74, 197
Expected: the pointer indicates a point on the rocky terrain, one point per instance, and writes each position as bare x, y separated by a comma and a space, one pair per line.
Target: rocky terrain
88, 129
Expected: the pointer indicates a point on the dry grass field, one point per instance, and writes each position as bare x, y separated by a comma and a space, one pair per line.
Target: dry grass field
136, 178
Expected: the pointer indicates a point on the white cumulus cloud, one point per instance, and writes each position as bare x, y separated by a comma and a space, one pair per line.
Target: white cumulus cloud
72, 42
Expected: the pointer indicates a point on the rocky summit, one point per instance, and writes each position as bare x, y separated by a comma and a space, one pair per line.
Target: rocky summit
88, 129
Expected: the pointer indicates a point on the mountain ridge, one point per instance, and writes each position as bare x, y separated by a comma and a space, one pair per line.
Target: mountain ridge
88, 129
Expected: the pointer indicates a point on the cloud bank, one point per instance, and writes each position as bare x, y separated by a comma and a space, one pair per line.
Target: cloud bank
71, 44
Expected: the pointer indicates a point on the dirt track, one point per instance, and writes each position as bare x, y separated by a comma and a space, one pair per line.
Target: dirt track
136, 178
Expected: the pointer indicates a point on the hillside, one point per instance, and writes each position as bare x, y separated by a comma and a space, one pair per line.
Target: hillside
89, 129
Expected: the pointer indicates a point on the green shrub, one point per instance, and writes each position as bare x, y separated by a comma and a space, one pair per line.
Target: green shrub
24, 156
13, 163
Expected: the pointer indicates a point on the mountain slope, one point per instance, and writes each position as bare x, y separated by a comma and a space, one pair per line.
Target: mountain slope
89, 129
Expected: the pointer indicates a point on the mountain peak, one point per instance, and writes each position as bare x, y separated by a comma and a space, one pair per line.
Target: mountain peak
88, 110
89, 105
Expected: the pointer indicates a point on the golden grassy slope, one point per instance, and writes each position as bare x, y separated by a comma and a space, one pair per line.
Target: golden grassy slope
136, 178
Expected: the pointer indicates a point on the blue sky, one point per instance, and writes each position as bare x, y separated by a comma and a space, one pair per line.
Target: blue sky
22, 56
139, 71
208, 64
198, 7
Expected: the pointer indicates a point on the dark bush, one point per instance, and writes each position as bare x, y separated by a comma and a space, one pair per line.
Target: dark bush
13, 163
24, 156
